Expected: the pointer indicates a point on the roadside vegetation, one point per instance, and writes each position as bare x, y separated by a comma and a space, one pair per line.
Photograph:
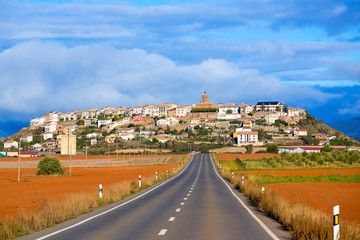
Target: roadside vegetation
52, 213
301, 221
268, 179
334, 159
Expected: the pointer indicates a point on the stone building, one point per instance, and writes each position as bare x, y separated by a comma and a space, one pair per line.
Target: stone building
68, 142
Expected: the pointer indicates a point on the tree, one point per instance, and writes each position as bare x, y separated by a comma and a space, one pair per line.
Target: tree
131, 125
261, 134
116, 118
80, 122
326, 148
272, 148
50, 166
228, 111
249, 148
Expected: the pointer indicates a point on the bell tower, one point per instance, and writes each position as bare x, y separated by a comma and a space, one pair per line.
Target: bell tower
205, 98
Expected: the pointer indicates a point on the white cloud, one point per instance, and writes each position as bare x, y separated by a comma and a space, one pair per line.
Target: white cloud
38, 77
353, 109
339, 10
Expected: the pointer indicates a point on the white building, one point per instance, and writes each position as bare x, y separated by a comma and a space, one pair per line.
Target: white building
227, 109
37, 146
127, 137
104, 122
115, 124
26, 138
9, 144
182, 111
94, 135
147, 132
300, 132
162, 122
246, 138
47, 136
269, 106
37, 121
125, 131
230, 116
50, 128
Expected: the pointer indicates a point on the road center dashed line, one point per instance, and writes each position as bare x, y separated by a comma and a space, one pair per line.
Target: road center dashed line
178, 210
185, 199
171, 219
162, 232
182, 203
187, 194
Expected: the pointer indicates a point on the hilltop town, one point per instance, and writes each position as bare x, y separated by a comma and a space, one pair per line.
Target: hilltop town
185, 126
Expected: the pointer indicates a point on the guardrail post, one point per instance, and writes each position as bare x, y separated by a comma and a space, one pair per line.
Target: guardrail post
336, 213
100, 191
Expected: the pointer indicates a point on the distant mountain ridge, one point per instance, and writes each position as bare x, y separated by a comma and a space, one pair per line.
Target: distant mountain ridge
350, 127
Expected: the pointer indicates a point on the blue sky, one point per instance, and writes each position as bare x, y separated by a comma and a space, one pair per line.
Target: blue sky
74, 55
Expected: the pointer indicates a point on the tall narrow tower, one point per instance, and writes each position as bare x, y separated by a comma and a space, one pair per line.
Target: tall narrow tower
205, 98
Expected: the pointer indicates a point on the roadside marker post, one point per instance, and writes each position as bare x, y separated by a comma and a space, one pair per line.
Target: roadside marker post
166, 172
100, 191
232, 175
336, 231
262, 189
156, 175
242, 180
139, 181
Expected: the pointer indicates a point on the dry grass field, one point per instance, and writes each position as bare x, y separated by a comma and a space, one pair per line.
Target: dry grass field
318, 195
34, 191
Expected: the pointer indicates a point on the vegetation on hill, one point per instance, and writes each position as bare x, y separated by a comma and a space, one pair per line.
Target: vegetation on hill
313, 126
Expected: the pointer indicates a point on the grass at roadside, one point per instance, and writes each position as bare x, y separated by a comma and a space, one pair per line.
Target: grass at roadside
302, 221
268, 179
52, 213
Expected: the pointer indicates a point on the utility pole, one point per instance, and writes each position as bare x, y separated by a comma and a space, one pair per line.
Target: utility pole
70, 157
86, 157
19, 162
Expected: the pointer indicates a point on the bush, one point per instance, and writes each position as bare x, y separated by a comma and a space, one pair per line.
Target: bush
50, 166
272, 148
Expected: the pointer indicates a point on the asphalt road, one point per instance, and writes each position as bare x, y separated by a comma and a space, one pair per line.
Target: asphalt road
195, 204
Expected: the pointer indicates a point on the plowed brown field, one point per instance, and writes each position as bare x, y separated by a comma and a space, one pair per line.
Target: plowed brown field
33, 190
324, 196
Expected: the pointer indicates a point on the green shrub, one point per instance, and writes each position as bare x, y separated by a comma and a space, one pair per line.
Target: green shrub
50, 166
272, 148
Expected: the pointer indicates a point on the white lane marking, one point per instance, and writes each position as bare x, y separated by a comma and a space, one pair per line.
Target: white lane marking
187, 194
190, 191
182, 203
192, 188
162, 232
171, 219
112, 209
185, 199
267, 230
178, 210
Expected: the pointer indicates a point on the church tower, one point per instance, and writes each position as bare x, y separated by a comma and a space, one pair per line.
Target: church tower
205, 98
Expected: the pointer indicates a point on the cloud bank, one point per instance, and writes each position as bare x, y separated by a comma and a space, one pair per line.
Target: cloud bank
41, 76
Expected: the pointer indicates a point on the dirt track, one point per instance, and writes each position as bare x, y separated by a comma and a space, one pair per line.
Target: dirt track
305, 172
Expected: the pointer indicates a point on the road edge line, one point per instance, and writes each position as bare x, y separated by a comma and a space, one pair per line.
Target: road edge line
118, 206
263, 225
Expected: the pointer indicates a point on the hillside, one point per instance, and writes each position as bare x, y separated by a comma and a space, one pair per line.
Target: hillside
350, 127
314, 125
